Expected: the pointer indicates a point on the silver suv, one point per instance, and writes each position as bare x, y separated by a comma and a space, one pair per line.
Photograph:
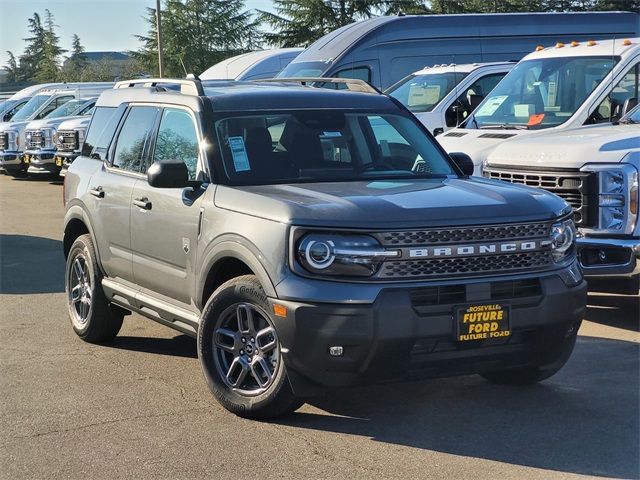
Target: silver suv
311, 238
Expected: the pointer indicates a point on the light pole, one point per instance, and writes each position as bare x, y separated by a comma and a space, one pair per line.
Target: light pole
159, 28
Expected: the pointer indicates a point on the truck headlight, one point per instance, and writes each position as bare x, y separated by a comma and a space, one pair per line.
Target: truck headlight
563, 237
617, 197
336, 254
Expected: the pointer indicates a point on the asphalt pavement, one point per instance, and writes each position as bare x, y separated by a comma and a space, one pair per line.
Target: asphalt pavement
139, 406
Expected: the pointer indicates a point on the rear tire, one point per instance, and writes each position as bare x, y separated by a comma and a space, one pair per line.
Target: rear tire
240, 352
92, 317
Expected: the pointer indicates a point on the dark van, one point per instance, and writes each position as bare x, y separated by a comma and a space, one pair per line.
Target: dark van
383, 50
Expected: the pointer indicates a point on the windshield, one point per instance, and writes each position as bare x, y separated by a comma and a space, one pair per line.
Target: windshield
67, 109
326, 145
422, 92
303, 70
30, 107
541, 93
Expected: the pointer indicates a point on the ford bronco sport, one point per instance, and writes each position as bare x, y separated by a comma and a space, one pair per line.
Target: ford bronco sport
311, 238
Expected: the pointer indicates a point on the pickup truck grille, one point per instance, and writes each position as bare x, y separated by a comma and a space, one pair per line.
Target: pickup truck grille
4, 141
578, 189
36, 140
466, 251
67, 141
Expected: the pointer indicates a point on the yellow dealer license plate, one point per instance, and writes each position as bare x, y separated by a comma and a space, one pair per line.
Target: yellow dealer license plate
27, 158
481, 322
59, 161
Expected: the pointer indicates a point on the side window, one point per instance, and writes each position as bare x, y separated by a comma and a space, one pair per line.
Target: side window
130, 145
610, 109
178, 139
100, 132
360, 73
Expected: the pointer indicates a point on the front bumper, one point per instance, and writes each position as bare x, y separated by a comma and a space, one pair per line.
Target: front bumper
12, 160
41, 161
412, 330
607, 257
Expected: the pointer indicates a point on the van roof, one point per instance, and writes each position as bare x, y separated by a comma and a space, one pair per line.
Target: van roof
463, 68
394, 28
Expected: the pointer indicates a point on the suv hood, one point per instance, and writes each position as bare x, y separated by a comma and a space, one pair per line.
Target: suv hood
569, 148
384, 204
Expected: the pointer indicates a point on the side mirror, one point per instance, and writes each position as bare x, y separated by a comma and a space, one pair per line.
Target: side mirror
170, 173
463, 161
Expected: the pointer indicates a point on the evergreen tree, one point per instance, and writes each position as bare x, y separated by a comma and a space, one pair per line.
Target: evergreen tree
34, 51
12, 68
197, 34
49, 65
299, 23
75, 64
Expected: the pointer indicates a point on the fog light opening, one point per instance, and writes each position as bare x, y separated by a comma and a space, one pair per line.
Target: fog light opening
336, 351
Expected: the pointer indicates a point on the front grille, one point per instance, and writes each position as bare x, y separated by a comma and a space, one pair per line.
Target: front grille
452, 267
447, 295
578, 189
67, 141
4, 141
457, 235
36, 140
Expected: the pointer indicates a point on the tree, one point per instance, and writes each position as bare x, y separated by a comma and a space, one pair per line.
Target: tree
76, 63
12, 68
298, 23
49, 65
34, 51
197, 34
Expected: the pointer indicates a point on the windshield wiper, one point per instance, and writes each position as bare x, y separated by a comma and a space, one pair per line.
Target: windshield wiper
504, 126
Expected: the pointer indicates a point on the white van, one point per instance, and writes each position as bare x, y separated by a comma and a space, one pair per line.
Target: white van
252, 65
442, 96
555, 88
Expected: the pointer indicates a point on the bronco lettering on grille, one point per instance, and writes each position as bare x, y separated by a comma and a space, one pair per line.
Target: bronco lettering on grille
476, 250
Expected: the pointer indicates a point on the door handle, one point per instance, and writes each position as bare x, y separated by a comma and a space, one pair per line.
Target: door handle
97, 192
143, 203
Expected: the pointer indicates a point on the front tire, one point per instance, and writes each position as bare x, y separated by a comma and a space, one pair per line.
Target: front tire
92, 317
240, 352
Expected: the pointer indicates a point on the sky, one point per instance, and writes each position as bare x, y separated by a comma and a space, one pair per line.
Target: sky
102, 25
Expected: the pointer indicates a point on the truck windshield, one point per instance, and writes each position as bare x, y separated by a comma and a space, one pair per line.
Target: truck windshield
541, 93
303, 70
327, 145
68, 108
30, 107
422, 92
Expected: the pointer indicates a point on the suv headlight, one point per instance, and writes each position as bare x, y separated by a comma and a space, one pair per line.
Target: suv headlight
617, 197
563, 236
336, 254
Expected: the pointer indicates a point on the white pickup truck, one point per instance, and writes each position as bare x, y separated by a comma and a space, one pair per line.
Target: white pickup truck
552, 89
595, 169
442, 96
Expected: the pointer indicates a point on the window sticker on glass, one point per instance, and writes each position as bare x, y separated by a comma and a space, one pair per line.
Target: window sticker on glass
239, 154
490, 107
332, 134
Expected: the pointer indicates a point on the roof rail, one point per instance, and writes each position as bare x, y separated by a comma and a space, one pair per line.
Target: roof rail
352, 84
190, 85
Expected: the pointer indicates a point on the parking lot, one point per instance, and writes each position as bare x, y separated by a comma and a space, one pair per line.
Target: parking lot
139, 406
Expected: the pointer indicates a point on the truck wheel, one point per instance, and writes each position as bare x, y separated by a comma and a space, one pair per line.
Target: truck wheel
240, 353
92, 317
17, 173
530, 375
